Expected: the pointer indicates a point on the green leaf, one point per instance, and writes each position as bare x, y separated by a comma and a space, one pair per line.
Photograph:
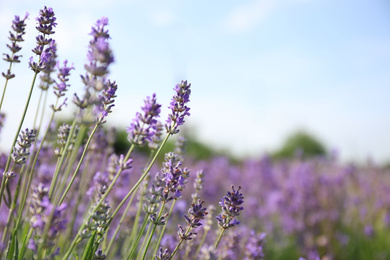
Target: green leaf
12, 247
89, 249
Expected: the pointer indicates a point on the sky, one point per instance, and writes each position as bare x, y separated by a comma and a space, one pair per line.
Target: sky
260, 70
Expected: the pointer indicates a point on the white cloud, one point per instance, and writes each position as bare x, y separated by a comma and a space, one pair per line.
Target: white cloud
162, 18
247, 16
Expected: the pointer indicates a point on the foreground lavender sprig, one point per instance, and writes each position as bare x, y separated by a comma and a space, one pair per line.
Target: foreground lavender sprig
18, 26
19, 156
197, 212
45, 48
178, 107
231, 206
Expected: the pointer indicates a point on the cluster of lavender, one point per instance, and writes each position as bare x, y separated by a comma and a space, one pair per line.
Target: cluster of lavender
66, 194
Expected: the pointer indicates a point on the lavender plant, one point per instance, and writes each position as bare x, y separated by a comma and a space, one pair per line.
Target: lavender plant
64, 188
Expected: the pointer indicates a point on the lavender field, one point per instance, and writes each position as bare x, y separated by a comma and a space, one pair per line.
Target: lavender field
67, 192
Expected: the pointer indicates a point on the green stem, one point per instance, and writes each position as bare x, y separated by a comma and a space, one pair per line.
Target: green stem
60, 162
141, 178
37, 111
178, 245
17, 134
13, 206
42, 114
153, 230
135, 244
25, 243
202, 241
124, 215
97, 205
134, 231
164, 227
78, 165
6, 83
30, 175
219, 238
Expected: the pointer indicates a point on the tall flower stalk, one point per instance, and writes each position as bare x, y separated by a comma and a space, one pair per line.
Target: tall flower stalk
18, 26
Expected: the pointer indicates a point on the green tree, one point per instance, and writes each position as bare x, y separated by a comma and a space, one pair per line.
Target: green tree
300, 143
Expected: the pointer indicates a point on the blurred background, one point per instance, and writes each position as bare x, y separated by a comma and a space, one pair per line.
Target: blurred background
262, 72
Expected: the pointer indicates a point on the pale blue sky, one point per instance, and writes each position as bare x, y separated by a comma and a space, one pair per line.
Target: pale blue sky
259, 69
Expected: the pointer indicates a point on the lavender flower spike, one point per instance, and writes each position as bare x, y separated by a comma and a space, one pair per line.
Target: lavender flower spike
144, 126
231, 206
178, 107
18, 26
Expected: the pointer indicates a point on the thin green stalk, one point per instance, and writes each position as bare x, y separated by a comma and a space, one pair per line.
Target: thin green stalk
42, 113
13, 206
80, 193
25, 243
70, 161
219, 238
17, 134
153, 230
140, 250
124, 215
97, 205
141, 178
202, 241
135, 226
37, 111
178, 245
59, 164
28, 183
164, 227
59, 184
138, 215
136, 242
6, 83
79, 164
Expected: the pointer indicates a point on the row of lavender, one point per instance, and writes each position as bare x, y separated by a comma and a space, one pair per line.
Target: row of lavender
45, 213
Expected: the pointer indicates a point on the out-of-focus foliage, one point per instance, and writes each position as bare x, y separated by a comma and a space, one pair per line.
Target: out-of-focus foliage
300, 144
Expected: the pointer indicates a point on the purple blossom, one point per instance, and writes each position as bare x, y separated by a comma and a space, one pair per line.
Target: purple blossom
99, 57
144, 126
178, 107
254, 246
41, 210
197, 212
18, 26
99, 30
46, 21
231, 206
107, 100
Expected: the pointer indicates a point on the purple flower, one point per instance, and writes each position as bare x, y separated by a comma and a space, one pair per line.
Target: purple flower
144, 126
18, 26
19, 155
254, 246
162, 255
178, 107
41, 210
231, 206
99, 30
99, 55
46, 21
197, 212
107, 98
